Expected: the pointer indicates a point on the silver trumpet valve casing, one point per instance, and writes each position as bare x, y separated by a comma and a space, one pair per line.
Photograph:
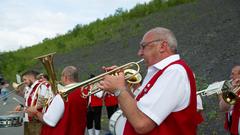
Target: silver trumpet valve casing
215, 88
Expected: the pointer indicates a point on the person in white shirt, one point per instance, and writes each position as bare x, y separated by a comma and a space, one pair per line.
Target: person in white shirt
65, 116
168, 96
36, 94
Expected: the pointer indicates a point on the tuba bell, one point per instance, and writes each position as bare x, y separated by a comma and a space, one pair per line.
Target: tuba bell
47, 61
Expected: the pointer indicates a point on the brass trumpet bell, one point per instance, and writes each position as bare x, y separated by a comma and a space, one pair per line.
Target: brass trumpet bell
134, 76
230, 94
16, 86
230, 97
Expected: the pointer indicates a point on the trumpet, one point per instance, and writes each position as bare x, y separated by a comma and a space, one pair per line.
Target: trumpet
229, 94
215, 87
16, 86
131, 76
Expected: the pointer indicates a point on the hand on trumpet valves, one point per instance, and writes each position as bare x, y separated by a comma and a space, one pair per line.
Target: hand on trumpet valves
112, 83
106, 69
32, 111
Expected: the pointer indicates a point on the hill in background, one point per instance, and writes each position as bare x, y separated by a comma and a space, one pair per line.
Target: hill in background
208, 36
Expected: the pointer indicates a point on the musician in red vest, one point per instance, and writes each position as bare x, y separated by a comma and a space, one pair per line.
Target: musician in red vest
232, 111
94, 112
37, 94
65, 116
167, 103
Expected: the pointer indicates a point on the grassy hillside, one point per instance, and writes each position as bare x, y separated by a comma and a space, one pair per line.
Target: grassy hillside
108, 29
207, 32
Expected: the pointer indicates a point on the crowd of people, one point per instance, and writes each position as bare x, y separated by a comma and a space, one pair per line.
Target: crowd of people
164, 102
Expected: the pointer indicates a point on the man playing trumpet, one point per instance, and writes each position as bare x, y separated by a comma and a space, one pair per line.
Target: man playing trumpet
232, 111
167, 103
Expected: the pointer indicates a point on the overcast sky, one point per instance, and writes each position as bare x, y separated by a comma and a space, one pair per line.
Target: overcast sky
28, 22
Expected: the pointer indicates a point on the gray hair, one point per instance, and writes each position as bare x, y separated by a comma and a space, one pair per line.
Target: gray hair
165, 34
71, 72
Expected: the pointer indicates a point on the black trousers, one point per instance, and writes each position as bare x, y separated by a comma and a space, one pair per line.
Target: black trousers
111, 110
94, 115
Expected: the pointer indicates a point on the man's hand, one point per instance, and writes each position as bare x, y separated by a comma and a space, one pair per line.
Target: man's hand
106, 69
111, 83
18, 108
32, 111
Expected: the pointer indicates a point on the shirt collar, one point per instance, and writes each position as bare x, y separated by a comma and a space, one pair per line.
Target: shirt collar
163, 63
34, 84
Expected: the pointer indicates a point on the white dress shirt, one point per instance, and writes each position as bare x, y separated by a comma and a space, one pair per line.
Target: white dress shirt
55, 110
199, 103
170, 93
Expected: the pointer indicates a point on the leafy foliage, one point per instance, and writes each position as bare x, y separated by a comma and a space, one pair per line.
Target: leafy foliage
80, 36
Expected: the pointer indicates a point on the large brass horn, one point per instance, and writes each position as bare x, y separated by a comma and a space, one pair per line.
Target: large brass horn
64, 92
47, 61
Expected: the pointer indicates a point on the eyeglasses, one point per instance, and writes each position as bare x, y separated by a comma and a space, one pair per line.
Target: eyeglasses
144, 44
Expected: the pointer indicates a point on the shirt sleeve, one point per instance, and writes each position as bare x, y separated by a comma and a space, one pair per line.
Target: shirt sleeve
54, 111
170, 93
43, 90
199, 103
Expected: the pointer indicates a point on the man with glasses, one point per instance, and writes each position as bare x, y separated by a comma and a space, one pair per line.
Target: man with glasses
167, 101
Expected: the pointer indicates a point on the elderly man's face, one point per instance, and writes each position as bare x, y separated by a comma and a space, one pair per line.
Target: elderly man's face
149, 49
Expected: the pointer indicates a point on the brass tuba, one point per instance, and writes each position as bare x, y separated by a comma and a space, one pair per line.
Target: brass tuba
47, 61
131, 76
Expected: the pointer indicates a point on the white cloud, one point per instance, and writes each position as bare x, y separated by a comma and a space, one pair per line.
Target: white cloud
28, 22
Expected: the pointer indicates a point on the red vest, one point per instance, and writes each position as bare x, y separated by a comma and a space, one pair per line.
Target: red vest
110, 100
95, 101
183, 122
73, 121
33, 96
233, 129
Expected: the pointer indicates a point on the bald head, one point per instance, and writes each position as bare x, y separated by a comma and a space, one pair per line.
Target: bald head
70, 74
164, 34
